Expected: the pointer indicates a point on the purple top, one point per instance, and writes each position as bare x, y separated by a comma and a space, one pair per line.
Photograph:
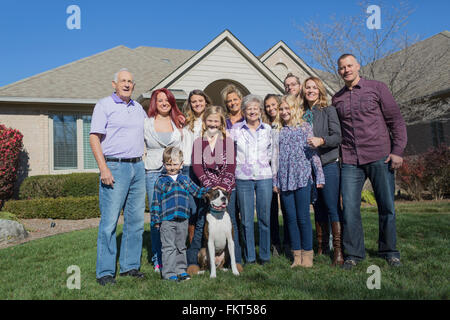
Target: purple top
122, 127
293, 159
230, 125
369, 116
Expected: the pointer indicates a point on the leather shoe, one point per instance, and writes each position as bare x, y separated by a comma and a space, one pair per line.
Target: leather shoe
103, 281
133, 273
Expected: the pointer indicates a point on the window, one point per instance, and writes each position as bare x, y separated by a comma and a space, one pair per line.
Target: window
437, 133
88, 156
71, 148
64, 142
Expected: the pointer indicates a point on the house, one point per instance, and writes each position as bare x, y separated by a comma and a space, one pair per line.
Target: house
53, 109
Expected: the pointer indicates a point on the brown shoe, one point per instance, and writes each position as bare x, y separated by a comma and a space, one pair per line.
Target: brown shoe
239, 267
297, 258
193, 269
338, 258
307, 258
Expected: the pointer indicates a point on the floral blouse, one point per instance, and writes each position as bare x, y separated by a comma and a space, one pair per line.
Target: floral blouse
294, 163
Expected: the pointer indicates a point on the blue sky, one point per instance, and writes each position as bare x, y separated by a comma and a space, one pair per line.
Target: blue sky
34, 36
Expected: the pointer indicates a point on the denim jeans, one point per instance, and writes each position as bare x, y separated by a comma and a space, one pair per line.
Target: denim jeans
194, 203
197, 240
128, 193
298, 219
382, 180
246, 192
327, 207
275, 224
150, 179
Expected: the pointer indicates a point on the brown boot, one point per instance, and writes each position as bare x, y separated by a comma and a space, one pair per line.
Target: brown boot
297, 258
307, 258
239, 267
191, 230
323, 237
319, 238
338, 257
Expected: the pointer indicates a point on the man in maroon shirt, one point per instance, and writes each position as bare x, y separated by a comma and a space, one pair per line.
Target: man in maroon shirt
373, 140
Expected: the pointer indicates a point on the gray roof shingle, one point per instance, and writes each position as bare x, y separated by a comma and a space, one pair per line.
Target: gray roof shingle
90, 78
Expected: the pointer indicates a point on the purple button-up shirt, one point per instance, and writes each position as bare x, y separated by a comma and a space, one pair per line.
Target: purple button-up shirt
371, 123
122, 127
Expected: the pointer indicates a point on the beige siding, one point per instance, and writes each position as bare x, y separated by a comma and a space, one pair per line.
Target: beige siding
279, 56
224, 62
34, 123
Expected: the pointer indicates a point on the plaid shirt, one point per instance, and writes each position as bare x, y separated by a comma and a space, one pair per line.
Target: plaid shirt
171, 198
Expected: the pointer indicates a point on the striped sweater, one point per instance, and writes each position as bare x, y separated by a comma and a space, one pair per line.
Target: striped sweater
171, 198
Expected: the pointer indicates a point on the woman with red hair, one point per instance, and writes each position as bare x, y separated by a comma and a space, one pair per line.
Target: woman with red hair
162, 128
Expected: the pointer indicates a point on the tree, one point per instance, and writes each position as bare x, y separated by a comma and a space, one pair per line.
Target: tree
386, 54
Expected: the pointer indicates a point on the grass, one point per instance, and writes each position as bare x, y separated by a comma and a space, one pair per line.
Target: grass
37, 269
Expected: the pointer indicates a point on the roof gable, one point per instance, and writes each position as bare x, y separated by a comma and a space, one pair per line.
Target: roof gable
281, 49
225, 40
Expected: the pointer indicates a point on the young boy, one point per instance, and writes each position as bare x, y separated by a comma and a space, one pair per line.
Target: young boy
170, 212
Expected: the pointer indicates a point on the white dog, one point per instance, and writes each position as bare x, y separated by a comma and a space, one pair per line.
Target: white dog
218, 233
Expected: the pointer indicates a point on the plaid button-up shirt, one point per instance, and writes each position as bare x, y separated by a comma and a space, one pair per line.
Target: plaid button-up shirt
171, 198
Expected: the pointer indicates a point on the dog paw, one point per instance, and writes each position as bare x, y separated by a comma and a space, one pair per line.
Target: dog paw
236, 273
213, 276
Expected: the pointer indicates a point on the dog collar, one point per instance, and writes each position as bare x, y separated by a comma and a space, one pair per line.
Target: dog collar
216, 213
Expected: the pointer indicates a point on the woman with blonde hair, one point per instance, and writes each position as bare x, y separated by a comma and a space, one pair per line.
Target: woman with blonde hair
271, 105
193, 108
232, 100
294, 165
326, 140
214, 164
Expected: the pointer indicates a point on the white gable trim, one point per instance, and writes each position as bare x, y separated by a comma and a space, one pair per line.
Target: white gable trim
233, 41
291, 54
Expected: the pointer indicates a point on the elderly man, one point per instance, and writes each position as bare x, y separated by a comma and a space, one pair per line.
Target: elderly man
117, 142
292, 85
373, 140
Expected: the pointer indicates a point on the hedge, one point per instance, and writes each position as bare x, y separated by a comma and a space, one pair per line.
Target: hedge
61, 185
73, 208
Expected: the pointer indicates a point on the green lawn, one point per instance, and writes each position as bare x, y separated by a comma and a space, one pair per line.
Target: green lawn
37, 269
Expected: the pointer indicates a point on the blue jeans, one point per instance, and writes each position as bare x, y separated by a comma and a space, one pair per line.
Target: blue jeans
352, 182
298, 219
194, 203
246, 191
128, 193
150, 179
327, 207
197, 240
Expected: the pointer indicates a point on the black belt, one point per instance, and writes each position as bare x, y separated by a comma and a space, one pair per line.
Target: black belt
137, 159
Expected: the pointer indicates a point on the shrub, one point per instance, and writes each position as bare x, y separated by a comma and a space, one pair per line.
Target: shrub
56, 208
410, 176
10, 147
436, 175
368, 197
8, 216
61, 185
